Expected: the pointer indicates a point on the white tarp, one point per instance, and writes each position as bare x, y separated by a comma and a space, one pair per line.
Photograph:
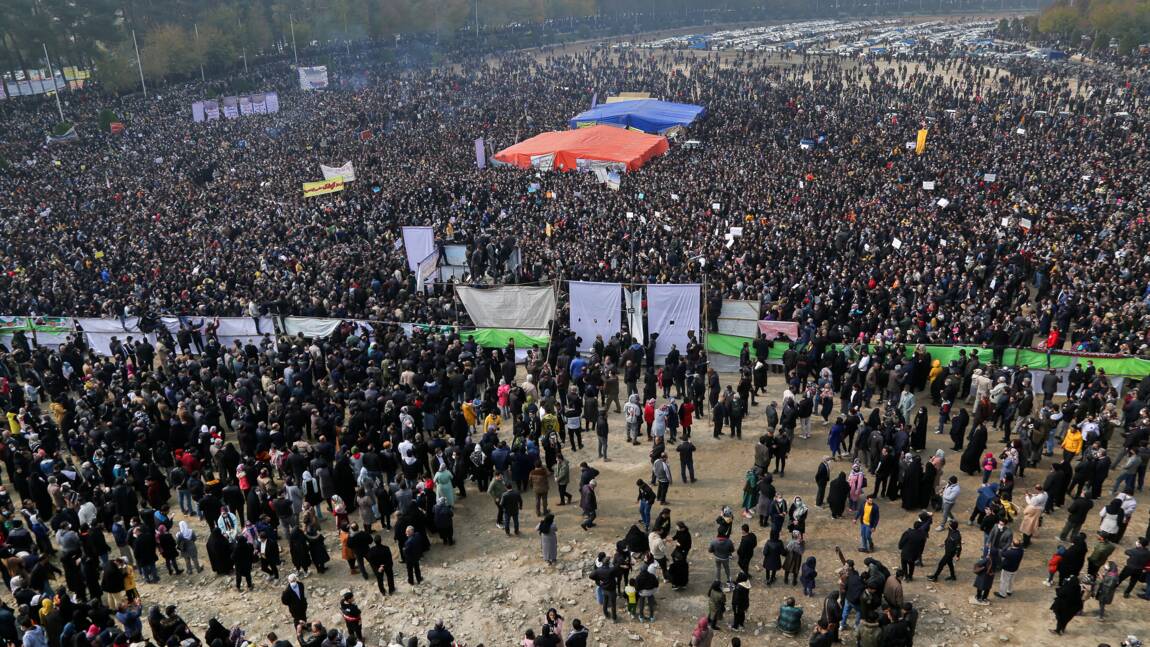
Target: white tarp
635, 326
425, 271
230, 330
595, 310
347, 172
313, 78
309, 327
418, 242
672, 310
99, 332
512, 307
739, 318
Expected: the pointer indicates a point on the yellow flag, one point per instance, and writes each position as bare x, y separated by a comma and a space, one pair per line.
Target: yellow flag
548, 230
920, 146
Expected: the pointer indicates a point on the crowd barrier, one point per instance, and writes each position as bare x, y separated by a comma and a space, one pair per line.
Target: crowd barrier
51, 332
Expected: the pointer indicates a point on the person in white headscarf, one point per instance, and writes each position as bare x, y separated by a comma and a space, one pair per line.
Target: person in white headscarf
186, 542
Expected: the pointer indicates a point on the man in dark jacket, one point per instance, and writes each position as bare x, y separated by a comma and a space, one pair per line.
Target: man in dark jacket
910, 546
412, 552
1136, 560
952, 549
439, 636
1076, 514
746, 549
294, 598
379, 557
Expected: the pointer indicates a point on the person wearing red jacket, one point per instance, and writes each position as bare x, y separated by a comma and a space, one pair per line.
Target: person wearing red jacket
1053, 342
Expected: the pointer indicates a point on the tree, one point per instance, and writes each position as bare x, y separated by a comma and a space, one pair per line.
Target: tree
169, 49
116, 69
1062, 21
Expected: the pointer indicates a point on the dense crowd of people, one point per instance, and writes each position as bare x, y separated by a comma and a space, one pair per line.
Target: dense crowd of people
384, 431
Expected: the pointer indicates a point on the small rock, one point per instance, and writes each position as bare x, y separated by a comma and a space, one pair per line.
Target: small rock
1003, 638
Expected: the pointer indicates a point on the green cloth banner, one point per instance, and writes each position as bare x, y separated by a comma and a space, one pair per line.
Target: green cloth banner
498, 337
731, 346
38, 324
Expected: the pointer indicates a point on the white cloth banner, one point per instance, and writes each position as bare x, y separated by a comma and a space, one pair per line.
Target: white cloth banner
347, 172
99, 332
739, 318
313, 78
231, 329
529, 309
425, 271
634, 300
418, 242
672, 310
595, 310
308, 327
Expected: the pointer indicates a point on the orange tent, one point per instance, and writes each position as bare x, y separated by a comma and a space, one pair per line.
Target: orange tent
561, 150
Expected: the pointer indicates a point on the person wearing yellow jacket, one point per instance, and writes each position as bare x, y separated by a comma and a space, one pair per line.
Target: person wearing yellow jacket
1071, 443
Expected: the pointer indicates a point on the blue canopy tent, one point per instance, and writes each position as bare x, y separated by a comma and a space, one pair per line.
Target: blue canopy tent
648, 115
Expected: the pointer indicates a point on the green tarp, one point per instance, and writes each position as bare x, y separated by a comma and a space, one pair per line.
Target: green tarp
498, 337
731, 345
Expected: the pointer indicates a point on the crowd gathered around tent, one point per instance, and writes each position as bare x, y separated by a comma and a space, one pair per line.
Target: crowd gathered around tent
177, 453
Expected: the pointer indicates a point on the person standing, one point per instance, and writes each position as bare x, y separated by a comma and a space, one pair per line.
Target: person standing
1137, 559
951, 551
511, 502
601, 431
352, 616
911, 546
740, 600
646, 499
721, 549
563, 477
746, 549
1067, 603
589, 504
716, 604
540, 480
242, 558
661, 475
380, 560
294, 598
412, 553
549, 540
496, 489
867, 516
686, 451
822, 477
1011, 560
984, 578
949, 498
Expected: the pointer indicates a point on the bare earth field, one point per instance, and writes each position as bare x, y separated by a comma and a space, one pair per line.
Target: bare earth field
489, 587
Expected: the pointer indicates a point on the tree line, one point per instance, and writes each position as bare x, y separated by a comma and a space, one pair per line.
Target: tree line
1098, 24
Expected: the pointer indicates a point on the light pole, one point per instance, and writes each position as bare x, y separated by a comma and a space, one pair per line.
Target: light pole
139, 64
55, 88
196, 27
295, 54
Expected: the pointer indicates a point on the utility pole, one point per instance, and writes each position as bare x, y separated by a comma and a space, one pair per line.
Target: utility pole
139, 64
196, 27
295, 54
245, 60
55, 88
476, 20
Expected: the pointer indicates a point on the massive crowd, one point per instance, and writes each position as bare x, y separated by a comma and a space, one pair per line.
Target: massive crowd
262, 442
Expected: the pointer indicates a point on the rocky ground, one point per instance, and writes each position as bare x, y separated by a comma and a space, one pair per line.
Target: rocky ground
489, 587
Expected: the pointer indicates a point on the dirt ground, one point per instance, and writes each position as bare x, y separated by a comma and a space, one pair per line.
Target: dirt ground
489, 587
